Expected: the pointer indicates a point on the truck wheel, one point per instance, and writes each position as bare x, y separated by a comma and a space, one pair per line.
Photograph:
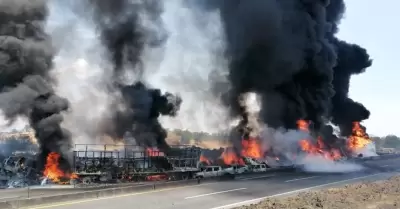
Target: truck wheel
185, 177
87, 180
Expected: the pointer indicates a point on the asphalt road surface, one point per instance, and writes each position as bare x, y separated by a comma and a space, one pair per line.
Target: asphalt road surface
38, 191
230, 194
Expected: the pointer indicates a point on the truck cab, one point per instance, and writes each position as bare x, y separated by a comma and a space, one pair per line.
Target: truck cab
259, 168
237, 169
210, 171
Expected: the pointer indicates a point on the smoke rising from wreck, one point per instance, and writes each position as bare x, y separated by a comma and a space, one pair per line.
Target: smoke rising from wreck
26, 58
287, 53
284, 51
125, 36
351, 59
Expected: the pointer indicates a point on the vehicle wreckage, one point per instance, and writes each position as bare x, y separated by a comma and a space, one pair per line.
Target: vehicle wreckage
94, 163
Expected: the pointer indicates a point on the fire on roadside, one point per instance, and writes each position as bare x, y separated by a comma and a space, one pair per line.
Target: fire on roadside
53, 172
318, 147
231, 158
251, 148
359, 138
205, 160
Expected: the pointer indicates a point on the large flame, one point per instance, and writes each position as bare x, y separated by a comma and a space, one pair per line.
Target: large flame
52, 170
251, 148
359, 138
231, 158
317, 148
205, 160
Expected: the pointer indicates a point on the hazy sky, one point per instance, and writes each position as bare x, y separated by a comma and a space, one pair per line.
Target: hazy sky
372, 24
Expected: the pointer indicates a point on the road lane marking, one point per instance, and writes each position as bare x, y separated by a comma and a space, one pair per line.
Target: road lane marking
203, 195
111, 197
385, 165
299, 179
13, 197
254, 201
257, 177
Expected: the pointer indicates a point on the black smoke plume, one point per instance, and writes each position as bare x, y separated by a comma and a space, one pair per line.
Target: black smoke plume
279, 50
125, 37
287, 52
26, 58
351, 60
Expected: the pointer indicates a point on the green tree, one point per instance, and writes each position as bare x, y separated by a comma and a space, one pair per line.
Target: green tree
391, 141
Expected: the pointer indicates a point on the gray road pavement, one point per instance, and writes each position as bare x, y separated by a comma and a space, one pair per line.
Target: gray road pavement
229, 194
37, 191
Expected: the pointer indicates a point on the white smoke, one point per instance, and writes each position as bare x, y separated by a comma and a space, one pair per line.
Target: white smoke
6, 125
79, 69
317, 163
185, 64
368, 151
286, 143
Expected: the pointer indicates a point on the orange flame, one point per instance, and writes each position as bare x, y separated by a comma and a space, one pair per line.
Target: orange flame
205, 160
230, 158
251, 148
154, 152
359, 138
52, 170
319, 147
303, 125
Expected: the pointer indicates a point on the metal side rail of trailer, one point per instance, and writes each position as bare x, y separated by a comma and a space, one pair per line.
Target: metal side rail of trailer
134, 163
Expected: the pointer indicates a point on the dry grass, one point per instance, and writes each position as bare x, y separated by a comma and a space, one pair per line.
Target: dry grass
374, 195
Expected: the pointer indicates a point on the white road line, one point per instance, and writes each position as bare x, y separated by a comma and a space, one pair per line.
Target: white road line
385, 165
257, 177
14, 197
226, 191
299, 179
254, 201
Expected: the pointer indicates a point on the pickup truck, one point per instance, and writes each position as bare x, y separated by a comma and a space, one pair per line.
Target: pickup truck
210, 171
214, 171
237, 169
259, 168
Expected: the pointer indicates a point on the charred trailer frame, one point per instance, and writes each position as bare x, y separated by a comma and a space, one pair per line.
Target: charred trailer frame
125, 163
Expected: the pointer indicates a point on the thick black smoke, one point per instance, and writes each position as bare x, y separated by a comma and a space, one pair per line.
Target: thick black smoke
26, 56
351, 59
287, 52
280, 50
125, 37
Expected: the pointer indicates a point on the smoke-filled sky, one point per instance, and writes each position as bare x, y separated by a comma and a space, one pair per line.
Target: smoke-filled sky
372, 24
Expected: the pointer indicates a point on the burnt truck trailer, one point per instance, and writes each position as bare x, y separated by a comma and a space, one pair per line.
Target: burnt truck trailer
124, 163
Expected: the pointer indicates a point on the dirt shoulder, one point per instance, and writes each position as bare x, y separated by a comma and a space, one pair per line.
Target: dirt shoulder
374, 195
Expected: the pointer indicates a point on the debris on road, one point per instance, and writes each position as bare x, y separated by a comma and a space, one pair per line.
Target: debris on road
371, 195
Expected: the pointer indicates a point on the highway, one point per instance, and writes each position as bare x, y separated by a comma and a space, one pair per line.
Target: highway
37, 191
230, 194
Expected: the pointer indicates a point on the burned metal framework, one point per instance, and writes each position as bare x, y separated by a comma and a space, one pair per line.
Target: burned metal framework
134, 162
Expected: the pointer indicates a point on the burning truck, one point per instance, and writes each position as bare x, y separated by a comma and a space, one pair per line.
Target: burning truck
252, 151
93, 163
